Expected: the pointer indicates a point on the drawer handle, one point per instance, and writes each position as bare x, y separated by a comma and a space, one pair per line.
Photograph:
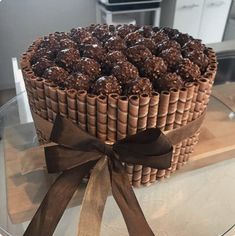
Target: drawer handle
216, 4
191, 6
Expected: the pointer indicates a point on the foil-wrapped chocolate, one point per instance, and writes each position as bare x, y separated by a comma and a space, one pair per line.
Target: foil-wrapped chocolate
67, 58
172, 57
78, 81
115, 43
193, 45
140, 85
114, 57
132, 38
170, 32
56, 74
67, 43
125, 72
106, 85
188, 70
138, 54
41, 65
94, 51
153, 67
88, 67
168, 81
102, 32
41, 52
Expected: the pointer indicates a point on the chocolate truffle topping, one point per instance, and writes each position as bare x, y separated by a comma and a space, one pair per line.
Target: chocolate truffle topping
168, 81
94, 51
139, 86
188, 70
78, 81
41, 65
67, 58
138, 54
154, 67
88, 67
106, 85
56, 74
125, 72
172, 57
105, 58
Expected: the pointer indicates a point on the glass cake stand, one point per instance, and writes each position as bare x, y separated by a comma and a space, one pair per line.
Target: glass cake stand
199, 202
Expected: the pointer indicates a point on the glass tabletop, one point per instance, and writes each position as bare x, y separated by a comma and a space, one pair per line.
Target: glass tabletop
197, 202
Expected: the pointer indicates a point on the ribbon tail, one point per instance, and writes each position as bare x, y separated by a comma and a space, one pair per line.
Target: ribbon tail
54, 203
127, 202
94, 200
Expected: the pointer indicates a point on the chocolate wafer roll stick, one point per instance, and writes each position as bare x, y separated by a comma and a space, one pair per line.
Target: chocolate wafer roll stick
193, 103
72, 104
101, 122
174, 96
161, 120
41, 97
47, 85
82, 109
144, 100
53, 100
132, 129
62, 100
112, 117
152, 123
24, 62
122, 117
91, 114
153, 110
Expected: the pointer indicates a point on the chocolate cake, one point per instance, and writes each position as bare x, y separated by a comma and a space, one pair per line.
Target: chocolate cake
115, 81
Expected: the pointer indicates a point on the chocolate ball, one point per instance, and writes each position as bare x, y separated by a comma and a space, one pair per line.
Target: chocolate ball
132, 38
56, 74
112, 58
159, 37
94, 51
170, 32
146, 31
125, 72
102, 33
168, 81
88, 67
79, 34
168, 44
115, 44
139, 86
59, 35
91, 27
199, 58
193, 45
39, 53
124, 30
41, 65
188, 70
172, 57
67, 58
112, 28
50, 43
106, 85
67, 43
182, 38
137, 54
148, 43
78, 81
153, 67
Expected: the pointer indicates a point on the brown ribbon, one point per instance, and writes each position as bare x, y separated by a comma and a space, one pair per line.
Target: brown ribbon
78, 152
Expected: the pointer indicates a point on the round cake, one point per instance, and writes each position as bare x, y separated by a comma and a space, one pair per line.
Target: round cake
114, 81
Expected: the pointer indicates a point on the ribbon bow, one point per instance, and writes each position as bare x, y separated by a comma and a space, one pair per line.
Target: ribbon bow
77, 153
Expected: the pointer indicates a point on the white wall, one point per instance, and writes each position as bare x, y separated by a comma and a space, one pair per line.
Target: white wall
22, 21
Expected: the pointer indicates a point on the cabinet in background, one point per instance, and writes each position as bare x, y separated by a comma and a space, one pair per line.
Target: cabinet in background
204, 19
